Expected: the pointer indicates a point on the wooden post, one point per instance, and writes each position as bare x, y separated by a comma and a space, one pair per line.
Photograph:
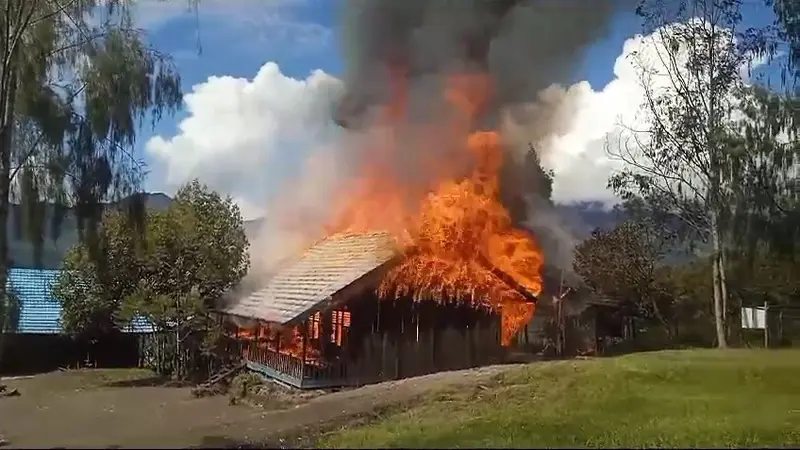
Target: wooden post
303, 352
527, 339
466, 336
377, 322
415, 307
398, 341
256, 353
766, 324
478, 354
384, 355
597, 348
561, 338
432, 323
559, 329
326, 328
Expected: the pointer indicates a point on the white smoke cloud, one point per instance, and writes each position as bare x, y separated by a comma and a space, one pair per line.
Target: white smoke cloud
578, 155
602, 119
242, 137
247, 137
250, 139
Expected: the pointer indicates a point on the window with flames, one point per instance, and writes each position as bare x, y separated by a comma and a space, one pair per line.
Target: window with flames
340, 324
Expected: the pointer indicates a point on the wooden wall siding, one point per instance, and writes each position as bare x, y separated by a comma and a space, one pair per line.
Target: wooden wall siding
388, 340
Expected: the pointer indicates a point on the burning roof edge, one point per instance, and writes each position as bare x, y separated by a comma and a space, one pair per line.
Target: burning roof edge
275, 303
313, 278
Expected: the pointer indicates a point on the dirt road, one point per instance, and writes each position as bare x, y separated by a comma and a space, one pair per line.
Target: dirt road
159, 417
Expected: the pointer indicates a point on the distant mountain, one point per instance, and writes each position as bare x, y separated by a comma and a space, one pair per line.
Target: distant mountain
579, 218
53, 250
583, 218
156, 201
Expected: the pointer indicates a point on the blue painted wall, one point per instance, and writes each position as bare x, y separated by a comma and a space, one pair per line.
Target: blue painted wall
40, 312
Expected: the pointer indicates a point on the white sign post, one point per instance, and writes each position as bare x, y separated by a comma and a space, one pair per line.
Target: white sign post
755, 318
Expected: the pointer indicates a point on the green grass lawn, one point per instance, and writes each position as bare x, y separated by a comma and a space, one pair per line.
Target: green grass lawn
693, 398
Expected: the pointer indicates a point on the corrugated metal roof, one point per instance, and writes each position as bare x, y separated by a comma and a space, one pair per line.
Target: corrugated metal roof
324, 269
40, 312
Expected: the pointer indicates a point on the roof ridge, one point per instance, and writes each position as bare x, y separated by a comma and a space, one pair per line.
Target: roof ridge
305, 279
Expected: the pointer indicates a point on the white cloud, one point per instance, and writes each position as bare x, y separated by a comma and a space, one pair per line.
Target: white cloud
601, 118
239, 133
242, 136
247, 138
579, 157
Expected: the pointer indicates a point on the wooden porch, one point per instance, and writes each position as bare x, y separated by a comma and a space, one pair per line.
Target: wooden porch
384, 340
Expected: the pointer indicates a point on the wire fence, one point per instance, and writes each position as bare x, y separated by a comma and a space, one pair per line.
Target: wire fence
769, 326
783, 326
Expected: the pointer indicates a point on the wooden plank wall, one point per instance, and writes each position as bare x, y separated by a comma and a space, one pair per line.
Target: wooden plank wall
390, 340
408, 339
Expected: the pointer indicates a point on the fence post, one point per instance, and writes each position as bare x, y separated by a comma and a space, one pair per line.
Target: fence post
766, 324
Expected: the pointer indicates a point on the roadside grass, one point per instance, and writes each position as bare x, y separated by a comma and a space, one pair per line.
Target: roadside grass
689, 398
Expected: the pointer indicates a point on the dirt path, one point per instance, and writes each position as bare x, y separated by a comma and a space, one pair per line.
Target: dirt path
152, 417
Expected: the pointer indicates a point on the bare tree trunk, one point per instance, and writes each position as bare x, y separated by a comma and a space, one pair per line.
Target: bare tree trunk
719, 318
177, 374
715, 194
7, 104
723, 282
657, 312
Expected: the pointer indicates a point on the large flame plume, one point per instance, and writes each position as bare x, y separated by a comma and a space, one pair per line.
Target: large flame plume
455, 232
426, 168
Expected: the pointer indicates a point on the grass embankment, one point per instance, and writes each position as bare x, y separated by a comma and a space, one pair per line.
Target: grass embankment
699, 398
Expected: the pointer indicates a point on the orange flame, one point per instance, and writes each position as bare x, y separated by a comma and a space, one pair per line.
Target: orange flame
455, 231
283, 340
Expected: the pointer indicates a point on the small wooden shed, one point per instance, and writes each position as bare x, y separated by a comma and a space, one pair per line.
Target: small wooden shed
318, 321
575, 322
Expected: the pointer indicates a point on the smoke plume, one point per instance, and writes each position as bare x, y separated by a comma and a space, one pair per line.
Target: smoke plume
525, 45
528, 47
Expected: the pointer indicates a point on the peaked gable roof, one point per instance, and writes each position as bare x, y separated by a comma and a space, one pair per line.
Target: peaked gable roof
303, 284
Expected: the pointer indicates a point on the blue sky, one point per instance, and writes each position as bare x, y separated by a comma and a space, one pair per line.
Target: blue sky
209, 42
237, 38
259, 74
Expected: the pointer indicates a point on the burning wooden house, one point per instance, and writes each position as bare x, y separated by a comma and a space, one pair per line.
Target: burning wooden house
320, 321
422, 270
